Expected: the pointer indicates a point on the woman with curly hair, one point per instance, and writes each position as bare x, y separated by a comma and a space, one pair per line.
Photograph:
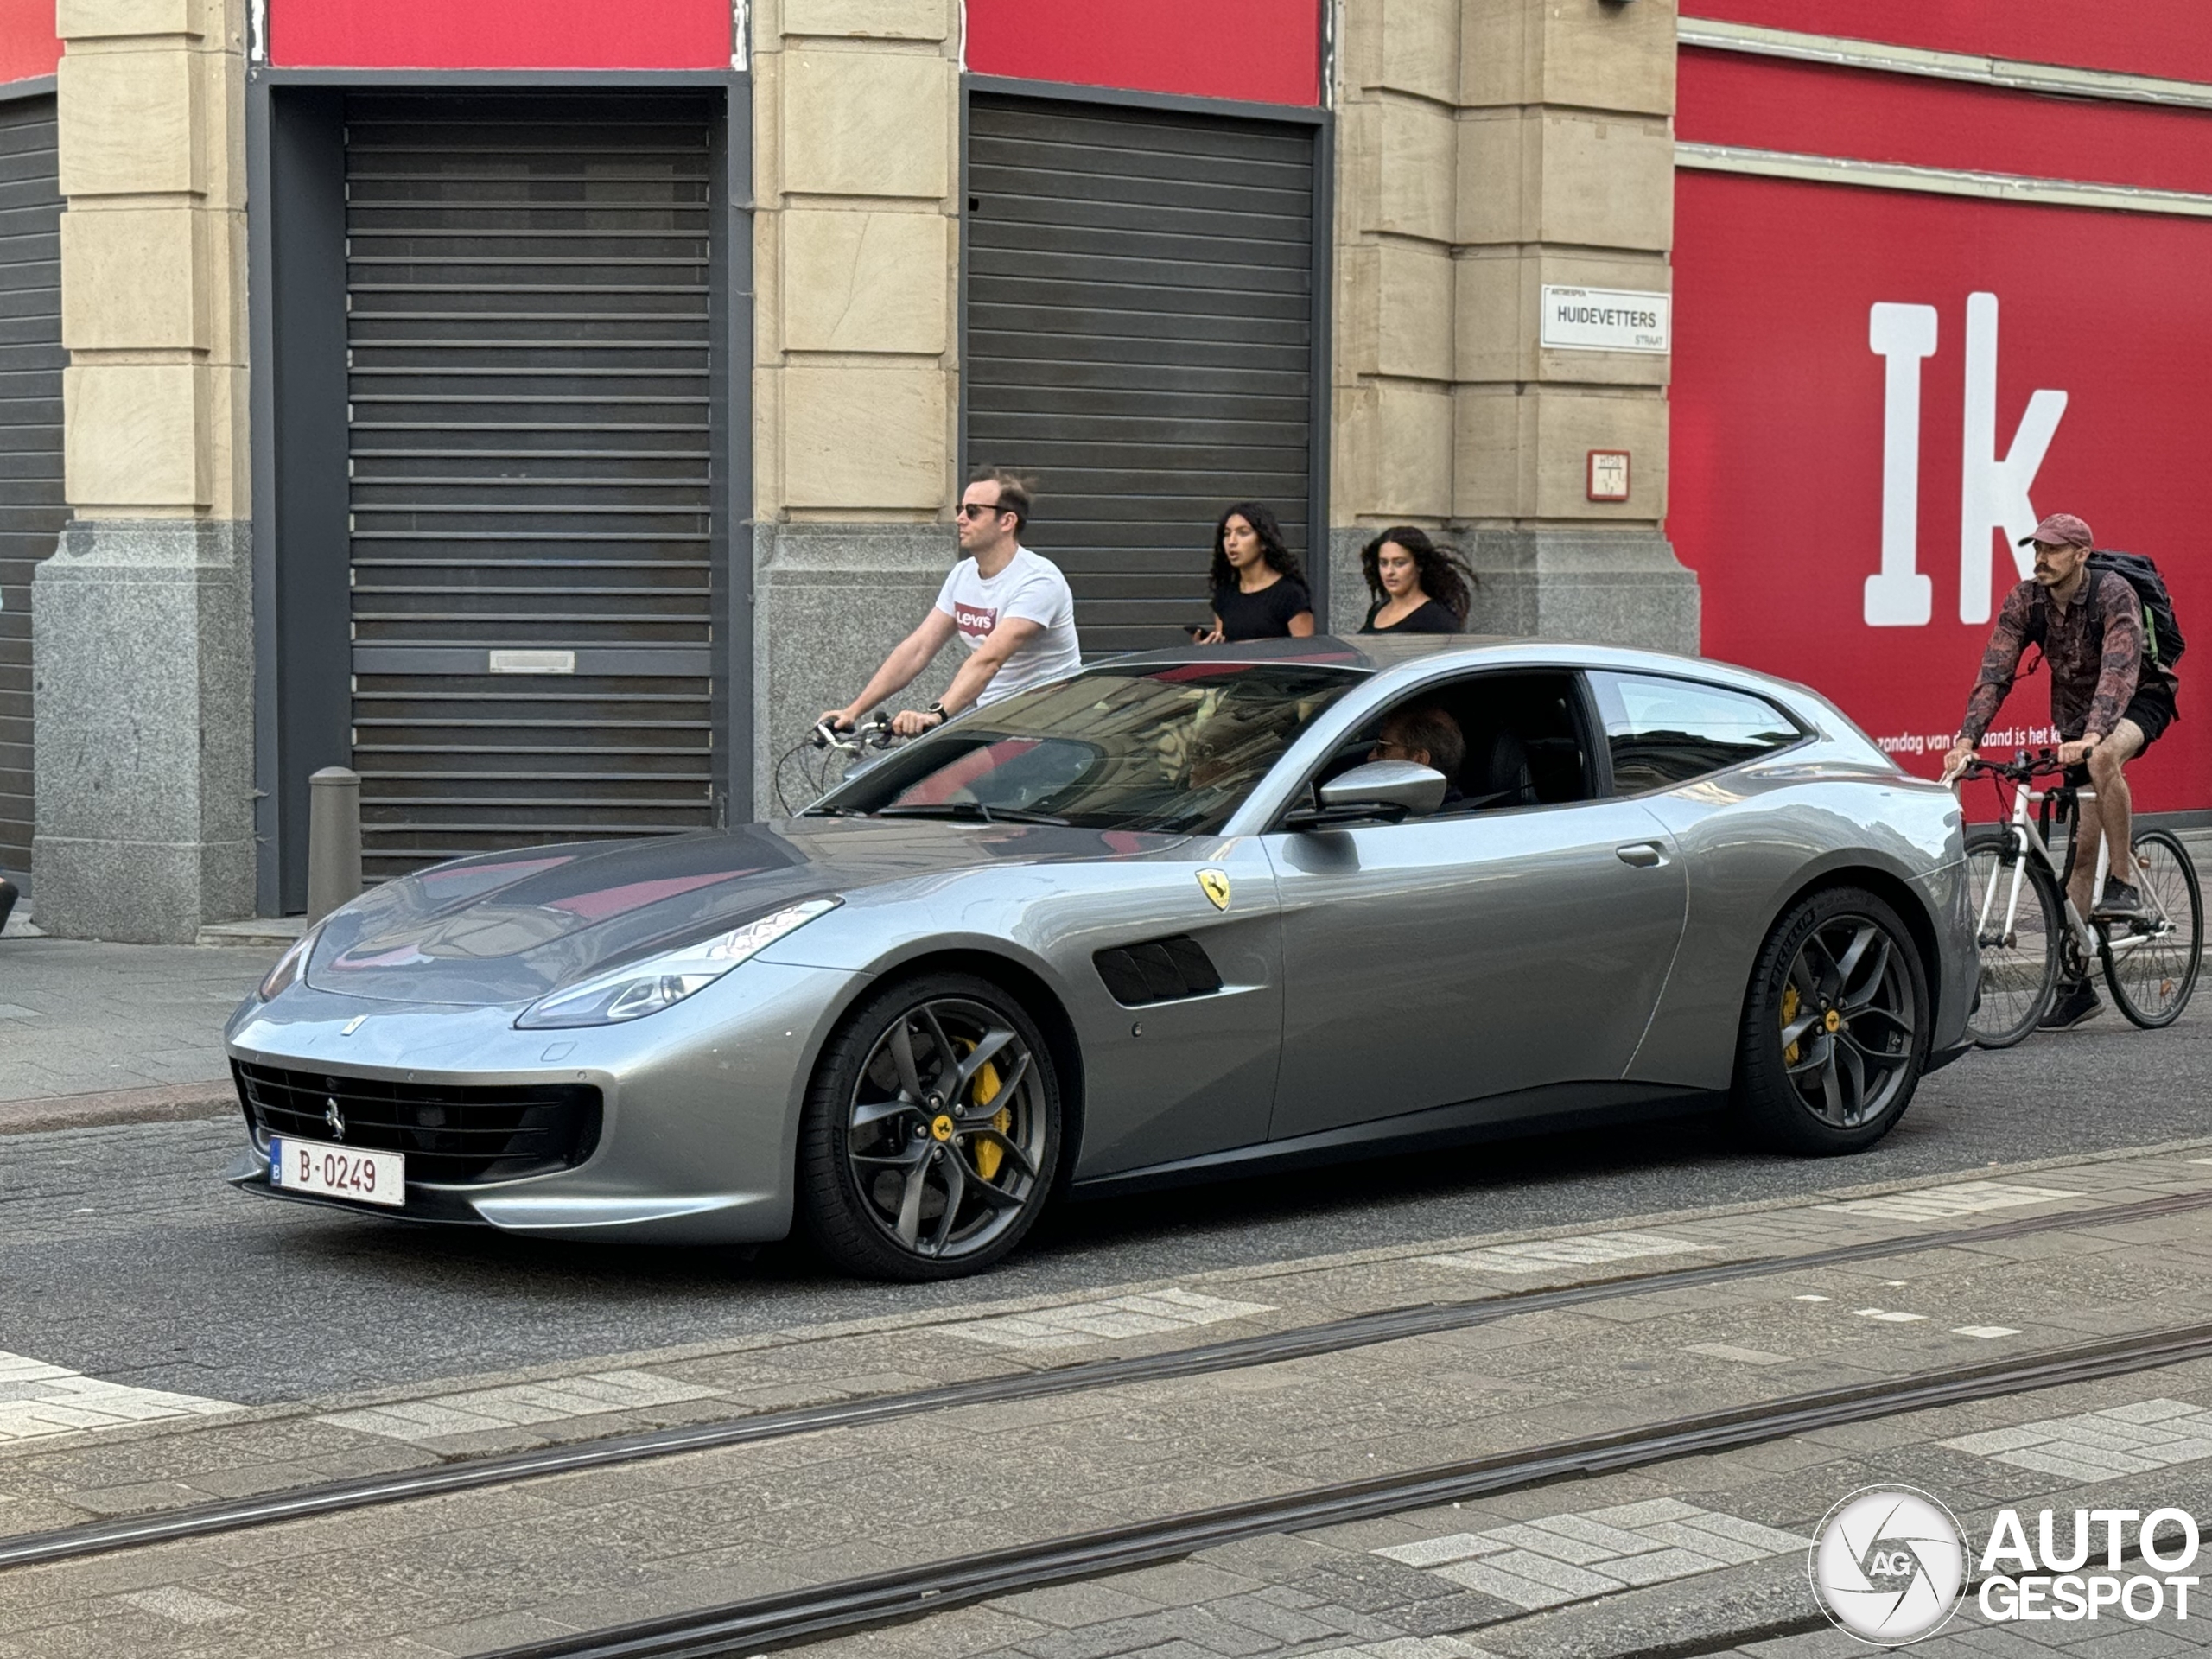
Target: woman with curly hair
1419, 587
1259, 592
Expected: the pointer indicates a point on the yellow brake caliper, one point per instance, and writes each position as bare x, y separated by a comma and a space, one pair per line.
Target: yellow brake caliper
1788, 1013
988, 1153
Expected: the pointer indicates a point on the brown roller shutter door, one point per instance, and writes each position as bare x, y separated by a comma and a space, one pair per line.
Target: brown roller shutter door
31, 504
528, 357
1139, 337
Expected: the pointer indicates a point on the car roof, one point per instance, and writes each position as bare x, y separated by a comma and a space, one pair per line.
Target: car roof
1414, 658
1367, 653
1381, 653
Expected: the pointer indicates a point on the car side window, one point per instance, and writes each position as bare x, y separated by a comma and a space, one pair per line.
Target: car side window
1503, 739
1662, 731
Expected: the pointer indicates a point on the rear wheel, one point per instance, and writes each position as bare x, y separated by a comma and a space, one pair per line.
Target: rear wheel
2019, 920
931, 1131
1835, 1024
2152, 964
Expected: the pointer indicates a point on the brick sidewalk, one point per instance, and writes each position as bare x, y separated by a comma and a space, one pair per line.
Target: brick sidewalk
85, 1025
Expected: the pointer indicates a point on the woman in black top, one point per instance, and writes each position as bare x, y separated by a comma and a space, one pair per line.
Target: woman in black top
1259, 592
1419, 587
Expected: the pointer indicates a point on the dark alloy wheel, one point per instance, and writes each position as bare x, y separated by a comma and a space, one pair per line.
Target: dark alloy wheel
1835, 1029
932, 1131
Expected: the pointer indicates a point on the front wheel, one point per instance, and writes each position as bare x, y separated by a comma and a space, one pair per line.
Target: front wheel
2018, 917
931, 1131
2150, 964
1835, 1029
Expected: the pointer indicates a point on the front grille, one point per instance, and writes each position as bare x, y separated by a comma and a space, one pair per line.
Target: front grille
450, 1133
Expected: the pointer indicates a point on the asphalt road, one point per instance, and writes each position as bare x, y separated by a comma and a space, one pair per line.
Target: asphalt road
122, 1256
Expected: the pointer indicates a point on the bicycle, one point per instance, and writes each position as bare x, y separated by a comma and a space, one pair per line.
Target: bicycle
861, 742
2027, 927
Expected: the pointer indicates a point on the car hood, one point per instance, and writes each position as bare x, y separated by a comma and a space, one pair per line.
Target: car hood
509, 927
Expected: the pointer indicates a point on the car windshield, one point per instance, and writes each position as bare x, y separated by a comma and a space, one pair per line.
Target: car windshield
1173, 748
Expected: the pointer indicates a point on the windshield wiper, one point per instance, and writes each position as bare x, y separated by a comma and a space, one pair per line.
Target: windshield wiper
969, 812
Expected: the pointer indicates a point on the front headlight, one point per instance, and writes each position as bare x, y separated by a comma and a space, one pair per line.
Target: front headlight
639, 988
291, 965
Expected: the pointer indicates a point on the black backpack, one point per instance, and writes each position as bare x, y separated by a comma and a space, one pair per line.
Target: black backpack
2162, 638
2162, 644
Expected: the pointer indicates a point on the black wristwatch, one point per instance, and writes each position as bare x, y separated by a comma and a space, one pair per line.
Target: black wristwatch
938, 709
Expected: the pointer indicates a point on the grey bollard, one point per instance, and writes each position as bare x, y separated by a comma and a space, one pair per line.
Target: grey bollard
334, 841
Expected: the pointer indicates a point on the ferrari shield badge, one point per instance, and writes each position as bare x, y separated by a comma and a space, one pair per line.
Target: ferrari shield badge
1216, 886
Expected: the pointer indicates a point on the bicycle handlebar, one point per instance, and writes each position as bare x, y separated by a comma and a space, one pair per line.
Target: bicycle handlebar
2023, 768
874, 732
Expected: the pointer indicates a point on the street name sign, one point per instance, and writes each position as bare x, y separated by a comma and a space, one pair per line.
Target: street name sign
1605, 320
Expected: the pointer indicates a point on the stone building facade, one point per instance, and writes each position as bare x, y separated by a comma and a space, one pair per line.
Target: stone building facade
556, 492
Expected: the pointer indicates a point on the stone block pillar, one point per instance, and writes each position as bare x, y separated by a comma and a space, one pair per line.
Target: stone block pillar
856, 114
144, 632
1512, 144
1395, 233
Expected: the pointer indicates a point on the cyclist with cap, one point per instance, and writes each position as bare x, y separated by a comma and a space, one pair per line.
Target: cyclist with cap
2109, 703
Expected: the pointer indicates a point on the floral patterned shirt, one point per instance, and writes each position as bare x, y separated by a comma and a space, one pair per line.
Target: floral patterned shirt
2093, 648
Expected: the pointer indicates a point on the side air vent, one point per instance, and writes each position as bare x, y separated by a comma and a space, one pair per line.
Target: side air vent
1159, 970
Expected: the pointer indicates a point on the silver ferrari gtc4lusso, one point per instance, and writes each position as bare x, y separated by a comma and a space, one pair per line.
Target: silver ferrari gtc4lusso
1211, 911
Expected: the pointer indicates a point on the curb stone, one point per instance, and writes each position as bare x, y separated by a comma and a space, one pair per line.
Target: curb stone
167, 1104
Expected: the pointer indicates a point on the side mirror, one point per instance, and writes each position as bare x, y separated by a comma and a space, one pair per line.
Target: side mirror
1384, 790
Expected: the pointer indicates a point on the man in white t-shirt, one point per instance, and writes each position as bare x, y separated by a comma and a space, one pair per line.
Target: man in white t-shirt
1011, 608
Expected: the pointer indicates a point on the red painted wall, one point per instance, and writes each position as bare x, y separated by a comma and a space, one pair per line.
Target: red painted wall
1778, 417
28, 47
1729, 98
1268, 51
500, 33
2166, 38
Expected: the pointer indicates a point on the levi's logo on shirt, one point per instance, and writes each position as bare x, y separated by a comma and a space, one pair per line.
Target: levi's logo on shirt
974, 620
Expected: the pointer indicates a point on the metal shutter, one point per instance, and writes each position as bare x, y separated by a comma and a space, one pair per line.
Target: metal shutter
1140, 338
31, 506
529, 350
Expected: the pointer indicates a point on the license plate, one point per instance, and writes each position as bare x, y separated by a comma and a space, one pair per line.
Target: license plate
337, 1172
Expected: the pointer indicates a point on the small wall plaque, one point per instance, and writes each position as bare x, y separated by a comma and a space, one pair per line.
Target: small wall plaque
1608, 476
533, 662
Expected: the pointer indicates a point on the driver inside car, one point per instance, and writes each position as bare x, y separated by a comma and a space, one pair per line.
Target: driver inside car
1425, 734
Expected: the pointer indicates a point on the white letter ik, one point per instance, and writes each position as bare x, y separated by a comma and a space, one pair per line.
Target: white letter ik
1993, 492
1901, 335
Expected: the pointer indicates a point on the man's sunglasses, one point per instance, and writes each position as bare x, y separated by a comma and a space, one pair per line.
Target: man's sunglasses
978, 509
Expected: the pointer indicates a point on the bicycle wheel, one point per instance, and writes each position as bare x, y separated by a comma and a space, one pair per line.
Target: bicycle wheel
2018, 915
2151, 965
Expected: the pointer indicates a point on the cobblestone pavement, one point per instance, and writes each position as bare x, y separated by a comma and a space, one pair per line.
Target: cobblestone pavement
1698, 1555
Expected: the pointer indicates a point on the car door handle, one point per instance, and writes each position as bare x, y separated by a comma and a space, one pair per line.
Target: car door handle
1644, 855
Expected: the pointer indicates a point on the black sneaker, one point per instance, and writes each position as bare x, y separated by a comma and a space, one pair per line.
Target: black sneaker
2077, 1004
2121, 903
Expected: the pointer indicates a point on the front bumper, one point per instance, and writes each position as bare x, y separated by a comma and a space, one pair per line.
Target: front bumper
700, 1103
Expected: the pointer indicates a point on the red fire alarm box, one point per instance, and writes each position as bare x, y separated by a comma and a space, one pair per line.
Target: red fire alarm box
1608, 476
